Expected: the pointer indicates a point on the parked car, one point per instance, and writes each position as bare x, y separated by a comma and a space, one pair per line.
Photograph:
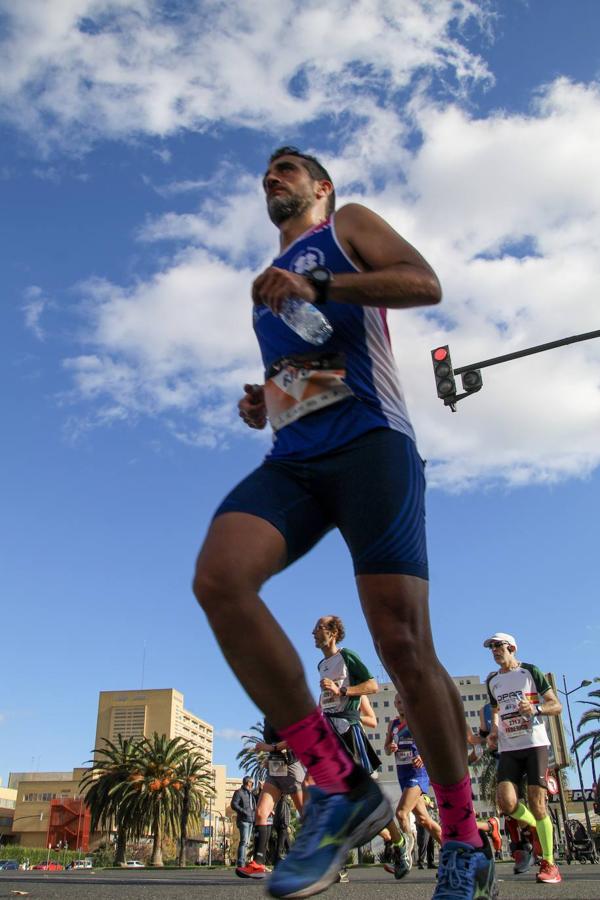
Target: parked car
9, 864
134, 864
86, 863
51, 866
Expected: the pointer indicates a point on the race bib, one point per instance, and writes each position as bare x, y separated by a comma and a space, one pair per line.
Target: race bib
515, 725
404, 757
278, 767
298, 386
329, 700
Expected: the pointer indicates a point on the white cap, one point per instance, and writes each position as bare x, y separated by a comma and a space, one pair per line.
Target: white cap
501, 636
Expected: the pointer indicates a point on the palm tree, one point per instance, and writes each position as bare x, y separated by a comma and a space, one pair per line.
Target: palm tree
194, 780
152, 797
105, 784
486, 769
252, 763
592, 737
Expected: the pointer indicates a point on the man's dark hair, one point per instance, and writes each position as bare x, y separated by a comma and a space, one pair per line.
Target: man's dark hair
312, 166
246, 781
335, 624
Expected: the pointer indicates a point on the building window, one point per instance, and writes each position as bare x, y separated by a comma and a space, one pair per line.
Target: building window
386, 702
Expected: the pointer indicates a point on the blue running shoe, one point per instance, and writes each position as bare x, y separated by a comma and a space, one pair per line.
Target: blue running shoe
333, 824
466, 872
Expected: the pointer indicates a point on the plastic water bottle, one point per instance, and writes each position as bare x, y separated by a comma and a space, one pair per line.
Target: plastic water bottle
306, 320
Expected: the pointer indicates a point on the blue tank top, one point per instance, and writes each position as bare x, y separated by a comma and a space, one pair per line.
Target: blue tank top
407, 749
368, 393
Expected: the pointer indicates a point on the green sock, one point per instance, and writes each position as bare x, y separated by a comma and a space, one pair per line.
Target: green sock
544, 831
523, 814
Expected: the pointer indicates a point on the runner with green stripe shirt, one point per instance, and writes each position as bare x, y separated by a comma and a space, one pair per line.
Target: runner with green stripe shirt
520, 694
344, 678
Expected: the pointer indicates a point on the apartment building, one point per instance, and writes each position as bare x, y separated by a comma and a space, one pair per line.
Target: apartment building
45, 799
473, 694
8, 801
141, 713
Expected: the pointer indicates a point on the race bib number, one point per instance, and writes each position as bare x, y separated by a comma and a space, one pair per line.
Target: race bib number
404, 757
301, 385
515, 725
329, 700
277, 767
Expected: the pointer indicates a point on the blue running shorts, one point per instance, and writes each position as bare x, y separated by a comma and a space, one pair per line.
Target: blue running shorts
372, 489
410, 776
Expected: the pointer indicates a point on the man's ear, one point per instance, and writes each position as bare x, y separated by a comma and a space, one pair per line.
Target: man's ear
324, 189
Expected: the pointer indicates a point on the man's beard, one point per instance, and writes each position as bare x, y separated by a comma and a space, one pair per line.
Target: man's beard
286, 206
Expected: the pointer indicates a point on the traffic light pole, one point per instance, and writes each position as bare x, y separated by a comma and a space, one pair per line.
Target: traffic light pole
529, 351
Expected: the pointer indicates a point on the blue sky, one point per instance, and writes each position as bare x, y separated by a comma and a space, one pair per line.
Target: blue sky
133, 136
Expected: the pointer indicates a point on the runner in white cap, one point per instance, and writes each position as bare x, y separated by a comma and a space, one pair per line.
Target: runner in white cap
520, 695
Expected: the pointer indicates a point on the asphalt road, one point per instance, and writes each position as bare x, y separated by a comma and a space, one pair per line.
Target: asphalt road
580, 882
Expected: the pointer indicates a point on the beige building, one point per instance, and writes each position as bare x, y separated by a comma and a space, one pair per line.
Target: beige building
473, 694
34, 791
129, 714
141, 713
8, 801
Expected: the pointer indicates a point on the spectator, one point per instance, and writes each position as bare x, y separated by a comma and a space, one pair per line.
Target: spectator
243, 804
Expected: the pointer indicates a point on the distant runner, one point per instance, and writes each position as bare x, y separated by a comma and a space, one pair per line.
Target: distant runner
413, 779
285, 776
520, 695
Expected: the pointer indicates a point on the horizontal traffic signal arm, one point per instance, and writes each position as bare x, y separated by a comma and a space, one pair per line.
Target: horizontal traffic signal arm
473, 368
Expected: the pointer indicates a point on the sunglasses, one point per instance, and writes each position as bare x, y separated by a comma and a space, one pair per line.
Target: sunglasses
495, 645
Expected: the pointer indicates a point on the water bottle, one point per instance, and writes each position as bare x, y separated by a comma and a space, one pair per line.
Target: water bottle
306, 320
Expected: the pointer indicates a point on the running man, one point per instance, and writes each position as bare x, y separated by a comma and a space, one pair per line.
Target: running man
344, 456
285, 775
344, 679
345, 687
520, 695
413, 780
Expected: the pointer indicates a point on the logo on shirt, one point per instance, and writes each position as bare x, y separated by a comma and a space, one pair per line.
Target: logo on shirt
307, 259
510, 695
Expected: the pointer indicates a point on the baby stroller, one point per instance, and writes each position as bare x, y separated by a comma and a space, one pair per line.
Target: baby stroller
578, 842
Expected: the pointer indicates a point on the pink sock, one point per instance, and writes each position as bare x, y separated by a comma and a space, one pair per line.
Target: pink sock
457, 817
320, 752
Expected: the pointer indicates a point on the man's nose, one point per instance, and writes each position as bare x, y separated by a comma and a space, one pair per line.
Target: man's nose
271, 180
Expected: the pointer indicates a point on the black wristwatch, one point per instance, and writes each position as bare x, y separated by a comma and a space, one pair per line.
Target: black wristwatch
320, 278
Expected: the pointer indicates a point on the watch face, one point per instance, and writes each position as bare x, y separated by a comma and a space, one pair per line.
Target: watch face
320, 274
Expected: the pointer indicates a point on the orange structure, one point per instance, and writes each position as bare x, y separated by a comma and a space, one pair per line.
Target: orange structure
69, 824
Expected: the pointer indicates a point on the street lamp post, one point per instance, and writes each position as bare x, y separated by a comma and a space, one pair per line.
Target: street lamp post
566, 695
210, 836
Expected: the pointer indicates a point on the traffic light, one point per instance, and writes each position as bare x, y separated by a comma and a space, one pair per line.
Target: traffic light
444, 376
472, 381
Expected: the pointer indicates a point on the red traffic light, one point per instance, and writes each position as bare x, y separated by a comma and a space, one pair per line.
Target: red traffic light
440, 354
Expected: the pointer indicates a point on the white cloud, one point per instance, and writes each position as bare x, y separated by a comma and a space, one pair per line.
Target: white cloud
33, 309
229, 734
472, 189
81, 69
179, 345
474, 193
